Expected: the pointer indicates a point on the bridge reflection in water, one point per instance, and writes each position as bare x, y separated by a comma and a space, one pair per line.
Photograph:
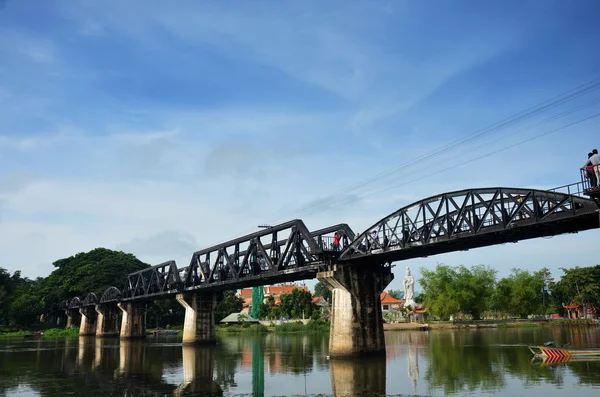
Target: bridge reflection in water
416, 363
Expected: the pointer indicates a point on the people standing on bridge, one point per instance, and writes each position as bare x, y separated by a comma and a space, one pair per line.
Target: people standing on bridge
336, 242
594, 162
590, 172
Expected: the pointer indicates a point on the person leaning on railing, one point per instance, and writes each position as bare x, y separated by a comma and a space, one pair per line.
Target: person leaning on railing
592, 167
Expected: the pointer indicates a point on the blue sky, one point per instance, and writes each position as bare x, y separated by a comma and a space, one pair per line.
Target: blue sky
160, 128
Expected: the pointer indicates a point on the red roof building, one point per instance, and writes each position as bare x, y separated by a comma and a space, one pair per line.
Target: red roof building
388, 302
274, 290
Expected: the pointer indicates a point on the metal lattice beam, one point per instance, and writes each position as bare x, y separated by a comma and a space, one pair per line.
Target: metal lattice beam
157, 280
113, 294
469, 219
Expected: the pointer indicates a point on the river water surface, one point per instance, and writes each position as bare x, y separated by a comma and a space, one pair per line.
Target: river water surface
465, 362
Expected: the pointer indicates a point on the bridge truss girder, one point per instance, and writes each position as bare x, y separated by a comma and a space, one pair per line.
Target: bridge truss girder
251, 260
468, 219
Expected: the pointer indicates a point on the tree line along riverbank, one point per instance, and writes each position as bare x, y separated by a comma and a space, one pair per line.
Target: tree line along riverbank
323, 327
447, 292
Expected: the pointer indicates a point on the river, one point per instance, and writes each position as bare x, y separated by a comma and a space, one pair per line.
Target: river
453, 362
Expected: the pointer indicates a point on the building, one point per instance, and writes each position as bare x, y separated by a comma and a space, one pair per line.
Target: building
271, 290
274, 290
575, 310
388, 302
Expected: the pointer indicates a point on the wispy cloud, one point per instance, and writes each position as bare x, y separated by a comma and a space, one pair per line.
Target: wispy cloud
156, 128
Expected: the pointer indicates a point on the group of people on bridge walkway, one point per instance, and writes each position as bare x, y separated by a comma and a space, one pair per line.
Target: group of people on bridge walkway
591, 169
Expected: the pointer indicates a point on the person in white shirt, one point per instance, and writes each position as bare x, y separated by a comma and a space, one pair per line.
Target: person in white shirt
595, 162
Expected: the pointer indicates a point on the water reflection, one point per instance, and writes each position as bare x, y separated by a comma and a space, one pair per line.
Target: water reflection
416, 363
354, 377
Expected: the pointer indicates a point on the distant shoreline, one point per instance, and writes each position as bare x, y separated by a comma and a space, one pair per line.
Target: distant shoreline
489, 324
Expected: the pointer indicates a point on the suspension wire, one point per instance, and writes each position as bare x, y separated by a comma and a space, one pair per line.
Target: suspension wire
461, 164
530, 127
509, 121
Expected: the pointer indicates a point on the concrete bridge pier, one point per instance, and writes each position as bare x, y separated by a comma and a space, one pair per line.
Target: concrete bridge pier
356, 318
88, 321
61, 318
107, 320
133, 323
199, 324
73, 318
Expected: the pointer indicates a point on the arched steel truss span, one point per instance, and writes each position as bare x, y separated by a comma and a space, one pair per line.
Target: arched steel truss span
111, 295
473, 218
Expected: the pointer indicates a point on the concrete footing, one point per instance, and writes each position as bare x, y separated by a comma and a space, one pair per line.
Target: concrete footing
88, 321
356, 318
107, 321
133, 323
73, 318
199, 325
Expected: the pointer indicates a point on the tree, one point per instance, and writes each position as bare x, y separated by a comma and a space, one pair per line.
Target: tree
580, 285
296, 304
451, 290
522, 293
396, 293
231, 303
94, 271
322, 290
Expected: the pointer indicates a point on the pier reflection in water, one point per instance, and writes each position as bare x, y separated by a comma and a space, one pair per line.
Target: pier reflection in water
416, 363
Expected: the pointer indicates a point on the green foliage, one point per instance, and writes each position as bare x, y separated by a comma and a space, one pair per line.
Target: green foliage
165, 314
452, 290
231, 303
242, 328
522, 293
94, 271
580, 285
293, 305
396, 293
297, 304
61, 332
322, 290
315, 315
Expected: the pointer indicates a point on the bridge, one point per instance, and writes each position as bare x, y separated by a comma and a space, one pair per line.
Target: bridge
356, 271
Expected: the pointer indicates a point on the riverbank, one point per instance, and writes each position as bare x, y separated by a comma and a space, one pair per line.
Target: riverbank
490, 324
285, 328
48, 333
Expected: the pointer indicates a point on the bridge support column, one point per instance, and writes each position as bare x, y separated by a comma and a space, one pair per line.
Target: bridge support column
61, 318
356, 318
107, 322
73, 318
199, 325
88, 321
133, 323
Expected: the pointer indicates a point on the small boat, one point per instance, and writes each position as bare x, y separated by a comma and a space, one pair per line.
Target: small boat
562, 353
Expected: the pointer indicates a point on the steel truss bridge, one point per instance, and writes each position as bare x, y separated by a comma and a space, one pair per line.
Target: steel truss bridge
453, 221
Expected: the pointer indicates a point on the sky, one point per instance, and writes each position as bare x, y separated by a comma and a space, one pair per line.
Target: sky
160, 128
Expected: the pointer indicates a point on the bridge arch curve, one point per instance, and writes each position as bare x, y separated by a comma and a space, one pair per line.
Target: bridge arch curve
75, 303
113, 294
471, 218
91, 299
64, 305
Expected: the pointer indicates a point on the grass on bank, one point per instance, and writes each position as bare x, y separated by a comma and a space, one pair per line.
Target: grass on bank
286, 328
47, 333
